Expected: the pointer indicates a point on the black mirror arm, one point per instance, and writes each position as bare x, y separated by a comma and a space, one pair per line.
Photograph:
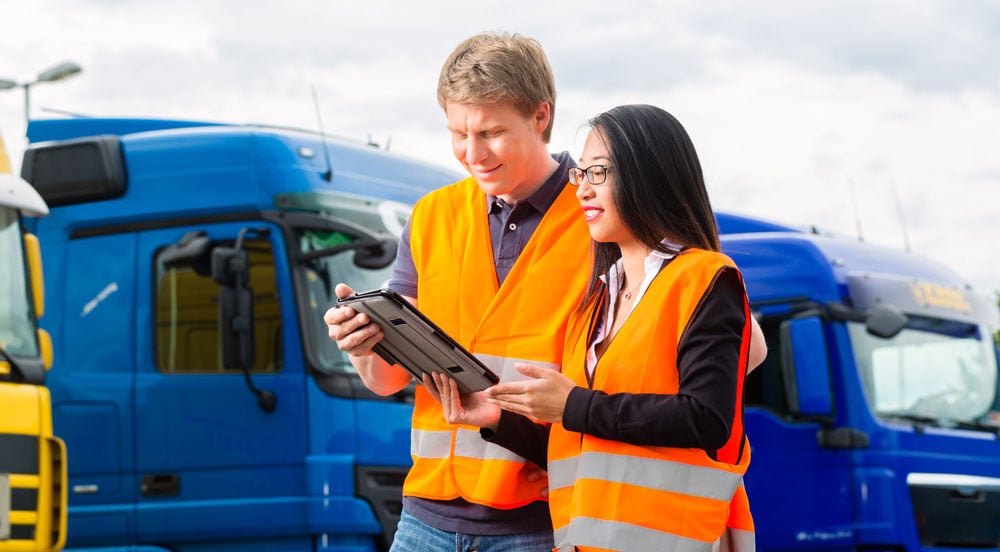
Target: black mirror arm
266, 400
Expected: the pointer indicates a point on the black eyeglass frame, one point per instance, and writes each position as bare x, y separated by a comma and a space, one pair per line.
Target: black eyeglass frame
575, 172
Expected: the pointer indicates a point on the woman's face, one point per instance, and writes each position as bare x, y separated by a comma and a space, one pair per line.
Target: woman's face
597, 200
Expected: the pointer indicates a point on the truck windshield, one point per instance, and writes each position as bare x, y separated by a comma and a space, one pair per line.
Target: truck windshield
940, 371
324, 272
17, 323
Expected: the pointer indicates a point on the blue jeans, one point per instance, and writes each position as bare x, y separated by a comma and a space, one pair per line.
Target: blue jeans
412, 535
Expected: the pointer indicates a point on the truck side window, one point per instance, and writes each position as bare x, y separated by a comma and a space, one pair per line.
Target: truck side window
187, 315
321, 275
765, 387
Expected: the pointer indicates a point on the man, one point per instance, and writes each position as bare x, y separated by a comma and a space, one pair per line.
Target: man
495, 259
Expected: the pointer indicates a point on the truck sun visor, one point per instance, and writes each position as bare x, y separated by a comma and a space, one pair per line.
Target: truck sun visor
77, 171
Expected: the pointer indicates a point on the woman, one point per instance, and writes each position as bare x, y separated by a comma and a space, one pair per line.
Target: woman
646, 449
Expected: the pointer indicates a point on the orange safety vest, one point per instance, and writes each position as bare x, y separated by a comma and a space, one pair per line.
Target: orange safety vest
524, 320
611, 495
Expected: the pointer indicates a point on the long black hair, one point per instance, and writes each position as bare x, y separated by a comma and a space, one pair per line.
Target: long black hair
658, 189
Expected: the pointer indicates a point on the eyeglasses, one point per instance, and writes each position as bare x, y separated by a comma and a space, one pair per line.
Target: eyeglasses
596, 174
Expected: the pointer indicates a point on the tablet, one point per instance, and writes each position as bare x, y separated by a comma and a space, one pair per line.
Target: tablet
416, 343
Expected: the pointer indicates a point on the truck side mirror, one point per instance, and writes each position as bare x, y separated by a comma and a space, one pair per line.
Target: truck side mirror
376, 256
886, 321
45, 348
34, 254
231, 270
806, 367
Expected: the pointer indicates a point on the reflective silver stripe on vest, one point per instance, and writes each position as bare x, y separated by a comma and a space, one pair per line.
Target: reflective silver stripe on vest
662, 475
739, 540
562, 473
430, 444
469, 444
624, 537
504, 366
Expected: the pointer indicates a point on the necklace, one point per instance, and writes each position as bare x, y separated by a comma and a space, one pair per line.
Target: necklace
628, 293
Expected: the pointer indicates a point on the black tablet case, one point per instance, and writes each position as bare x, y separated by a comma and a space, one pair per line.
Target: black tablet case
416, 343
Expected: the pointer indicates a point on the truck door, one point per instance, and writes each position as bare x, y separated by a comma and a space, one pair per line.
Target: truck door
800, 489
91, 292
214, 464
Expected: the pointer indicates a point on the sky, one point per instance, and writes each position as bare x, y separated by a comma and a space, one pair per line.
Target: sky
871, 120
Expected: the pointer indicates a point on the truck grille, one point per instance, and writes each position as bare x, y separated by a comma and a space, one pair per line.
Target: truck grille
19, 487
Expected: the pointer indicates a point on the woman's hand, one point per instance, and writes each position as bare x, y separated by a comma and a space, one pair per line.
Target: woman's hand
473, 409
542, 398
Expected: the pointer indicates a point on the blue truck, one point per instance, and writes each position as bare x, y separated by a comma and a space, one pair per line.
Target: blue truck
189, 264
873, 421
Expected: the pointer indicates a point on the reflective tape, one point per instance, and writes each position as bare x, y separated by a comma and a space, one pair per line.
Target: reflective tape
562, 473
625, 537
430, 444
658, 474
504, 366
470, 444
741, 541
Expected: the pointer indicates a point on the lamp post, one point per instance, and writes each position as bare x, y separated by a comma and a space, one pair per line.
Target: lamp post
52, 74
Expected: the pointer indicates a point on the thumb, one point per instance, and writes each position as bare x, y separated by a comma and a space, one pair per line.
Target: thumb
530, 370
343, 290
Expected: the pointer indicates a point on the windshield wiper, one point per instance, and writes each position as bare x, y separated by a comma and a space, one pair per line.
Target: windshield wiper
919, 421
980, 425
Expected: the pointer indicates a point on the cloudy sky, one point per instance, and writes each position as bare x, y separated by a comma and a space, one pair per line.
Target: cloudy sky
879, 118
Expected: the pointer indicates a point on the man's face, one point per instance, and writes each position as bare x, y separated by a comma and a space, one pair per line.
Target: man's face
500, 147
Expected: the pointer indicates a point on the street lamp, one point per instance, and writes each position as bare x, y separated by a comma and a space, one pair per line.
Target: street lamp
52, 74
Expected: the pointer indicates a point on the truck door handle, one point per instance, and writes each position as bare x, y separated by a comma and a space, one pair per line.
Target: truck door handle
161, 484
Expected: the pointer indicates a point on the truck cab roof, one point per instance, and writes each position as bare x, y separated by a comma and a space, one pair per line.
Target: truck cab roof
783, 265
130, 170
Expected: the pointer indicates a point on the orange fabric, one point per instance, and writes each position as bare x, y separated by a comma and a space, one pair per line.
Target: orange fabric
523, 319
695, 517
739, 512
642, 358
737, 450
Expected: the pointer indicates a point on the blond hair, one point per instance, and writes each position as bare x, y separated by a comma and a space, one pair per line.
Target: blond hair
499, 67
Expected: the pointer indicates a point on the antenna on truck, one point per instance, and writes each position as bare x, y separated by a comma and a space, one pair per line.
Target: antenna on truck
899, 213
328, 174
854, 205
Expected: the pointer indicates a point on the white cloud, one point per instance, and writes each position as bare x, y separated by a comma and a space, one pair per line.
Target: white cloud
790, 104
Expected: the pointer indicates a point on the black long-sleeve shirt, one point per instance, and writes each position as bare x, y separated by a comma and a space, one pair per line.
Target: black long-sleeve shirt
700, 415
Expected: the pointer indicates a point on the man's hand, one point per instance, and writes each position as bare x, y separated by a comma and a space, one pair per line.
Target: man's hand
534, 473
354, 332
542, 398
